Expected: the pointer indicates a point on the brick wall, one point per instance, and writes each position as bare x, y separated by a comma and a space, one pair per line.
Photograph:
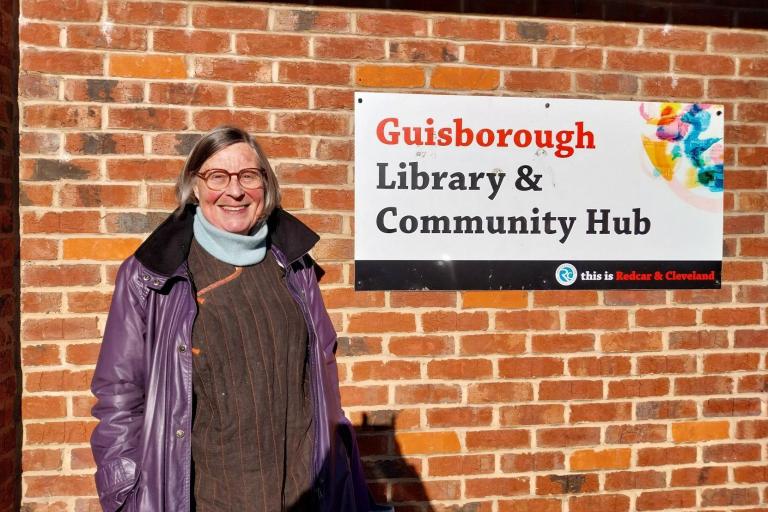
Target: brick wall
512, 401
10, 385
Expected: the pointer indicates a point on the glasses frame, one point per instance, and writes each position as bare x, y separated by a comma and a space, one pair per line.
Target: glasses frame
205, 175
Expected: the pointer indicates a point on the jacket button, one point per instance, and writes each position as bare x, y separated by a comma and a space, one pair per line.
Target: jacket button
182, 348
145, 277
179, 433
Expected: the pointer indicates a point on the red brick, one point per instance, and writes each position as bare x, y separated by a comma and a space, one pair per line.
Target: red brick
460, 417
695, 340
482, 487
61, 116
732, 407
562, 343
89, 37
314, 73
634, 434
363, 395
59, 380
624, 480
233, 70
549, 298
753, 383
744, 224
533, 31
180, 93
184, 41
414, 299
571, 436
103, 143
59, 485
599, 366
102, 90
749, 475
732, 452
426, 491
333, 99
601, 503
39, 34
677, 39
730, 497
659, 500
269, 96
83, 353
250, 121
570, 390
588, 58
391, 24
39, 249
704, 64
139, 169
753, 111
40, 355
423, 51
531, 414
76, 10
664, 317
530, 505
146, 13
668, 455
42, 302
601, 412
41, 460
479, 344
637, 61
36, 86
630, 388
734, 88
437, 321
729, 362
664, 410
499, 392
303, 20
606, 35
596, 319
60, 275
538, 461
537, 81
149, 118
754, 247
633, 297
38, 407
752, 429
696, 477
427, 394
497, 439
312, 174
90, 196
751, 338
648, 365
459, 369
312, 123
672, 87
530, 367
714, 385
272, 45
631, 341
731, 316
230, 16
461, 465
567, 484
418, 346
738, 42
613, 83
523, 320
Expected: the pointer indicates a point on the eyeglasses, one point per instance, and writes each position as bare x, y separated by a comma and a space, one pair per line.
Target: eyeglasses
218, 179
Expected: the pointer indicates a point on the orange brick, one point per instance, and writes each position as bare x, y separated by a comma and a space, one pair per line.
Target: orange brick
494, 299
99, 248
570, 58
83, 353
136, 169
314, 73
695, 431
589, 460
547, 298
389, 76
466, 28
363, 395
427, 442
464, 78
414, 299
147, 66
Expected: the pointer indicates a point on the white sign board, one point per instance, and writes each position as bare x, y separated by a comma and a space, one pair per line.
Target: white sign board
477, 192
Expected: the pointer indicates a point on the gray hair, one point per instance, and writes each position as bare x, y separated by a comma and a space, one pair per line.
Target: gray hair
210, 144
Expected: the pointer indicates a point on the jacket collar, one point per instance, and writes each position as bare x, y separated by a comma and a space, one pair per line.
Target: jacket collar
167, 248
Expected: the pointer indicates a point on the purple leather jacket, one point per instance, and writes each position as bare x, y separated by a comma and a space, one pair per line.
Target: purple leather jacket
143, 378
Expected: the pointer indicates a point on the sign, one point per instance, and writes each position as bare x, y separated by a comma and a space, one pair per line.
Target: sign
487, 193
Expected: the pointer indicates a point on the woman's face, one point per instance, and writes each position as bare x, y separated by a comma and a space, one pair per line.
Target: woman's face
233, 209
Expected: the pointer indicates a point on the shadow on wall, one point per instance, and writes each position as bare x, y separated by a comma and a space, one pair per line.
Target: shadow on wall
10, 359
384, 462
735, 13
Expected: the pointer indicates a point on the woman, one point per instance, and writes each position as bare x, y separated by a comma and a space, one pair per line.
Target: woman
216, 381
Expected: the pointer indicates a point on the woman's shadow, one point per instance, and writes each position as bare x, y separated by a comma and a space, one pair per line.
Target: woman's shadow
384, 464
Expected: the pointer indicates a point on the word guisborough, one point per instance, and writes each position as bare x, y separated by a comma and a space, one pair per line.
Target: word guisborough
565, 142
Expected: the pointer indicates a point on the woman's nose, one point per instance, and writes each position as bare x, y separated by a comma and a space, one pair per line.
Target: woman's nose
234, 188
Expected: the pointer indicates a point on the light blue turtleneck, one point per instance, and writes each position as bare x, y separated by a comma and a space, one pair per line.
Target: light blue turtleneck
232, 248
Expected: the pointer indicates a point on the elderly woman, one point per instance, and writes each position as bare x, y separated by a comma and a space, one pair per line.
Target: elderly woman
216, 382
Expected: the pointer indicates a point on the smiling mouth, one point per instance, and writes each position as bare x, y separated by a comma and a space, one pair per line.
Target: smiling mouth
234, 208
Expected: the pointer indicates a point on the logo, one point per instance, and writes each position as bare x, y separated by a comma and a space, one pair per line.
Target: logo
566, 274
